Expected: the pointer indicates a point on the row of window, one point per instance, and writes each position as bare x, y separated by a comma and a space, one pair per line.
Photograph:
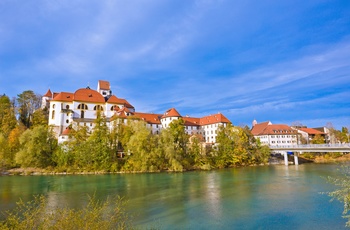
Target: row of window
273, 142
283, 136
85, 107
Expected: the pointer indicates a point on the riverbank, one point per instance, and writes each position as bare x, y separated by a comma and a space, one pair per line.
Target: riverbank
321, 159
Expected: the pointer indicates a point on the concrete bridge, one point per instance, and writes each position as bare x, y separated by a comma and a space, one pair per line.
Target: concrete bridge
300, 149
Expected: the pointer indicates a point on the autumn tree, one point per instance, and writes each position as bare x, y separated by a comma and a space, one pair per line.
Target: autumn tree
173, 142
140, 147
37, 146
8, 119
237, 146
318, 139
97, 145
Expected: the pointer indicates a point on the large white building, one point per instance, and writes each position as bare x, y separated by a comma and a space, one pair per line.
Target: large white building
81, 107
271, 134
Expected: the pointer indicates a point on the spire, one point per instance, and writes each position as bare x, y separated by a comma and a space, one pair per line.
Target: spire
254, 123
48, 93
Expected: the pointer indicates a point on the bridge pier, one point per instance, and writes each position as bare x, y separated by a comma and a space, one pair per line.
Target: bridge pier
285, 158
296, 160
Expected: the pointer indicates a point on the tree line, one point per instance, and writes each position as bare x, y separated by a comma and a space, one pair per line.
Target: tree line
26, 140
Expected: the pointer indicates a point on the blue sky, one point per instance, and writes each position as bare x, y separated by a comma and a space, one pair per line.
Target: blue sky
283, 61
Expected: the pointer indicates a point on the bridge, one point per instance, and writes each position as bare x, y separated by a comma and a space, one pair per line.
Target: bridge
300, 149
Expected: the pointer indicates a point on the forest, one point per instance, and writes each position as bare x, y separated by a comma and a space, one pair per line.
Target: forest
26, 141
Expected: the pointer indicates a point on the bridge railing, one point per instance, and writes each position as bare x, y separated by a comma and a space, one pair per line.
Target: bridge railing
311, 146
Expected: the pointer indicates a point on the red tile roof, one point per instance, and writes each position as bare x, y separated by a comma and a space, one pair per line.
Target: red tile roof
191, 121
104, 85
120, 101
172, 113
64, 96
259, 128
88, 95
150, 118
213, 119
48, 94
66, 131
267, 128
312, 131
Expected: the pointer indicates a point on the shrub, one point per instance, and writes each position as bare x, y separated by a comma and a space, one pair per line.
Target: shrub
36, 214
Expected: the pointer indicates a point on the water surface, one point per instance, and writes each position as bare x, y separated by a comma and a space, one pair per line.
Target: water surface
264, 197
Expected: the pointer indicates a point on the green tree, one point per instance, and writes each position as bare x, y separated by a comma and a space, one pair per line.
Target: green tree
318, 139
98, 143
173, 142
237, 146
224, 154
140, 147
37, 147
40, 117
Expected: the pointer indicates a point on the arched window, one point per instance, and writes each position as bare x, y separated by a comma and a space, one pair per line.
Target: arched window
53, 114
98, 107
82, 108
114, 107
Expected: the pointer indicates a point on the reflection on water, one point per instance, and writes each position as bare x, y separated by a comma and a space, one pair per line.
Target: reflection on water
267, 197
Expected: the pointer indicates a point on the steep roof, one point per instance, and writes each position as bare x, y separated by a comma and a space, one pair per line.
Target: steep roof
191, 121
267, 128
48, 94
66, 131
120, 101
260, 127
213, 119
312, 131
64, 96
150, 118
104, 85
171, 113
88, 95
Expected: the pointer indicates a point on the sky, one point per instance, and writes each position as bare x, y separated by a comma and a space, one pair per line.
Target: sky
286, 61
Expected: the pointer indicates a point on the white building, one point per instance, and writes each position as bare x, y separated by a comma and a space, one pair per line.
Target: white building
270, 134
81, 107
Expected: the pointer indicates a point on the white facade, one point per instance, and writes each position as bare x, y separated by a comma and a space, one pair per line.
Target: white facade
67, 110
277, 135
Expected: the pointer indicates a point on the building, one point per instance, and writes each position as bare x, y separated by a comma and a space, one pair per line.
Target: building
271, 134
308, 135
81, 108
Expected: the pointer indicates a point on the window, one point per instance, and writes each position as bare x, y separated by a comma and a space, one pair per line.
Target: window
67, 106
67, 121
98, 107
114, 107
53, 106
82, 107
53, 114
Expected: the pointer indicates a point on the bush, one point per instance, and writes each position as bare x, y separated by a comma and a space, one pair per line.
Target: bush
37, 214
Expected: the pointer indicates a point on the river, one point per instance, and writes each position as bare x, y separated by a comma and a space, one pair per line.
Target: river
262, 197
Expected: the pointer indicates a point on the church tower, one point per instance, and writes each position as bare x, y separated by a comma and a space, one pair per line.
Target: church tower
45, 100
104, 88
254, 123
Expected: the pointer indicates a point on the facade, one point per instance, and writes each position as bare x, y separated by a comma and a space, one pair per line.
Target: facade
271, 134
81, 108
308, 134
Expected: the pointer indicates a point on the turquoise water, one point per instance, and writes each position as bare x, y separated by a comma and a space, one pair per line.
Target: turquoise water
266, 197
